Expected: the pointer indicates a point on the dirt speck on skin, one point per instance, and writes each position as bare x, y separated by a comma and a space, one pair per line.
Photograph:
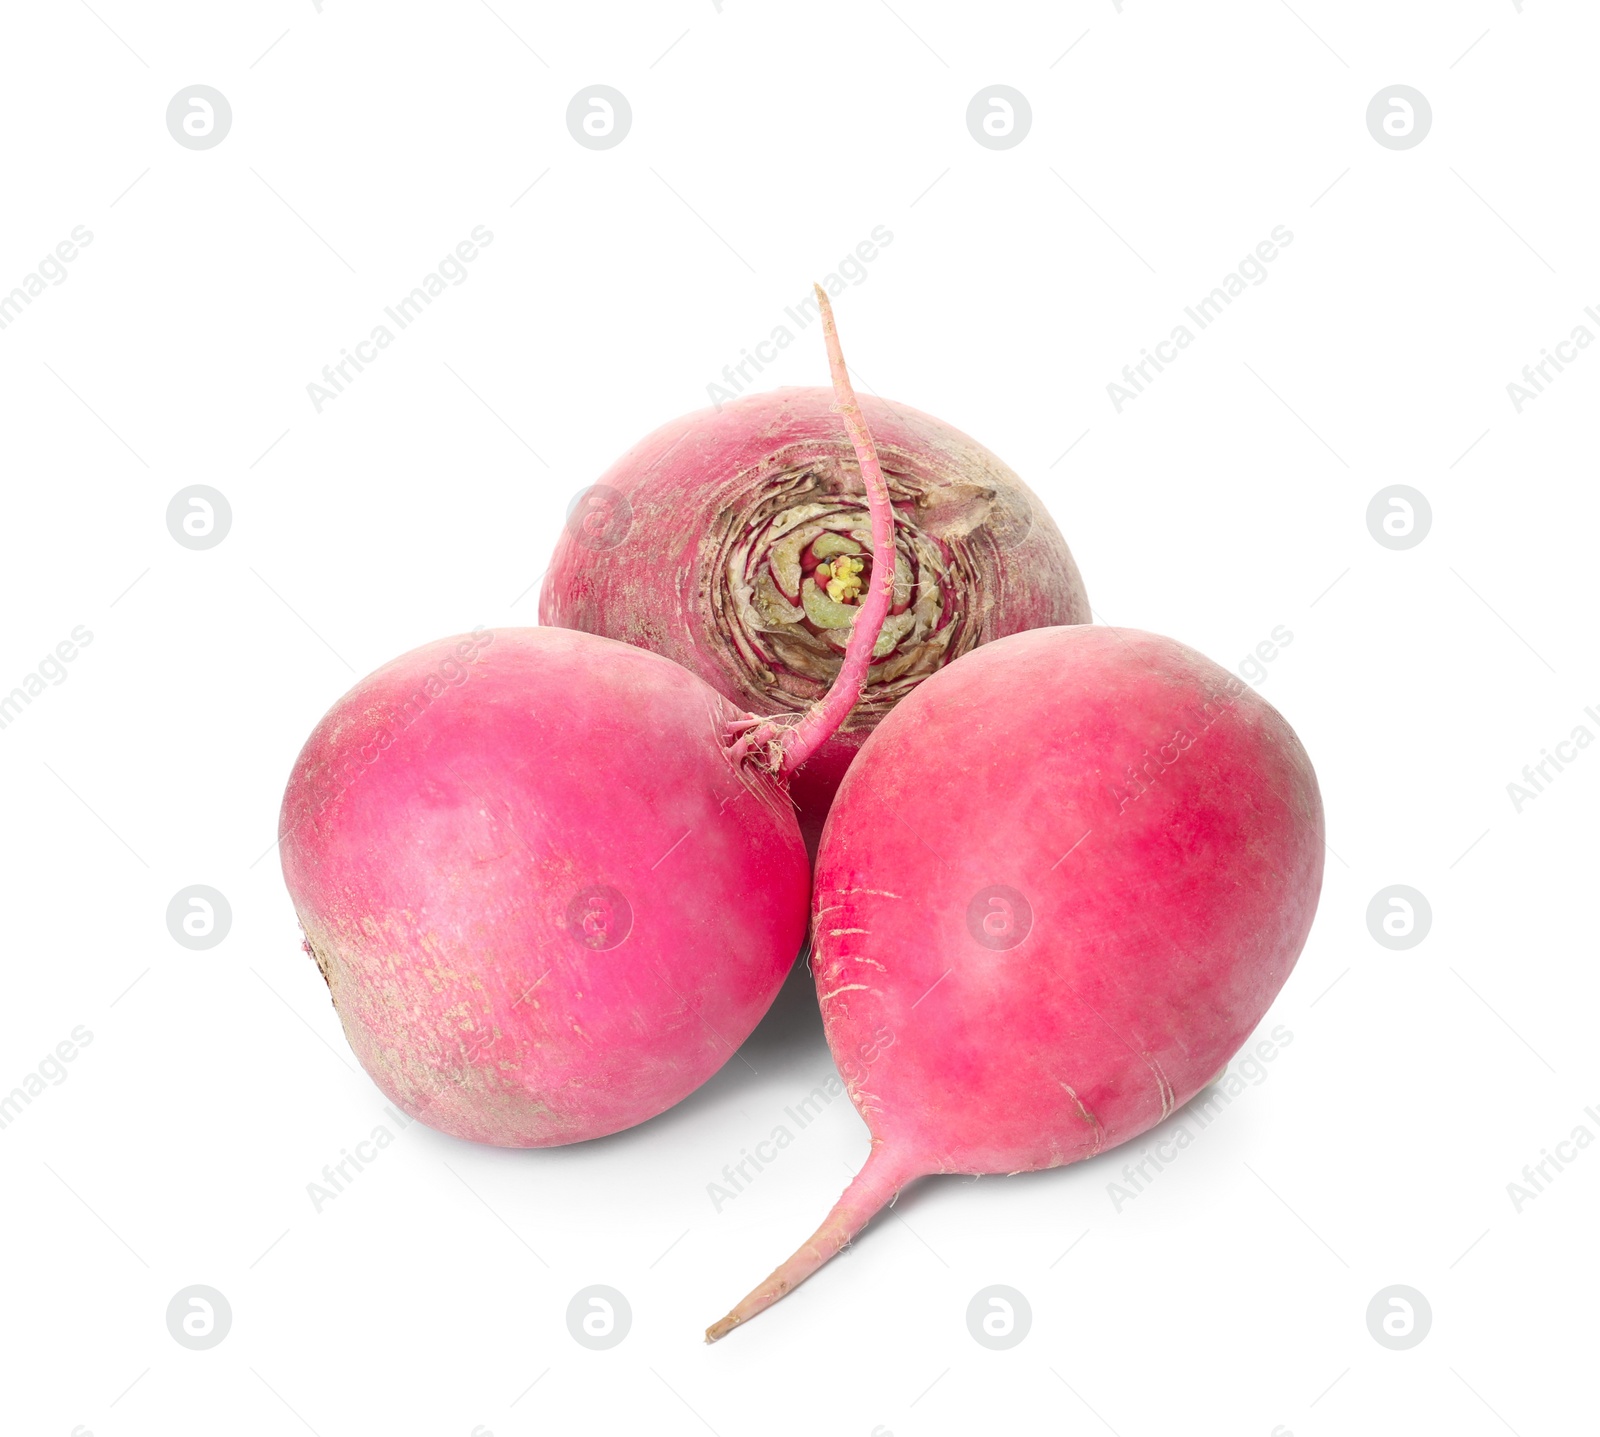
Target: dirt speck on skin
320, 960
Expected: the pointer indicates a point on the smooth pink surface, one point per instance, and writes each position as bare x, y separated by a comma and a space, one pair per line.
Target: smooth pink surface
684, 481
441, 823
1163, 924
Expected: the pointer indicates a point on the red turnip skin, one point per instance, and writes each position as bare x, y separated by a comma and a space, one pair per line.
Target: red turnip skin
553, 881
551, 907
674, 550
1056, 892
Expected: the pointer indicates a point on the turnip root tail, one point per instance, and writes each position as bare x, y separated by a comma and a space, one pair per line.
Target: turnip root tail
799, 741
872, 1189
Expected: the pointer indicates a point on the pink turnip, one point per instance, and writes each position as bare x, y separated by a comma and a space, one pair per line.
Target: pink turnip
705, 541
553, 880
1057, 890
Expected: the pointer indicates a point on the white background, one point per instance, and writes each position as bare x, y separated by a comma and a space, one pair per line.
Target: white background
1230, 498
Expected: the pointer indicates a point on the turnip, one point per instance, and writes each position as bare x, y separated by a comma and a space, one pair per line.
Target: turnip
553, 880
1057, 890
714, 541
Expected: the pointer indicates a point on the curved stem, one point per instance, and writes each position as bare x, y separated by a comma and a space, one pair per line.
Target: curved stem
817, 725
880, 1179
